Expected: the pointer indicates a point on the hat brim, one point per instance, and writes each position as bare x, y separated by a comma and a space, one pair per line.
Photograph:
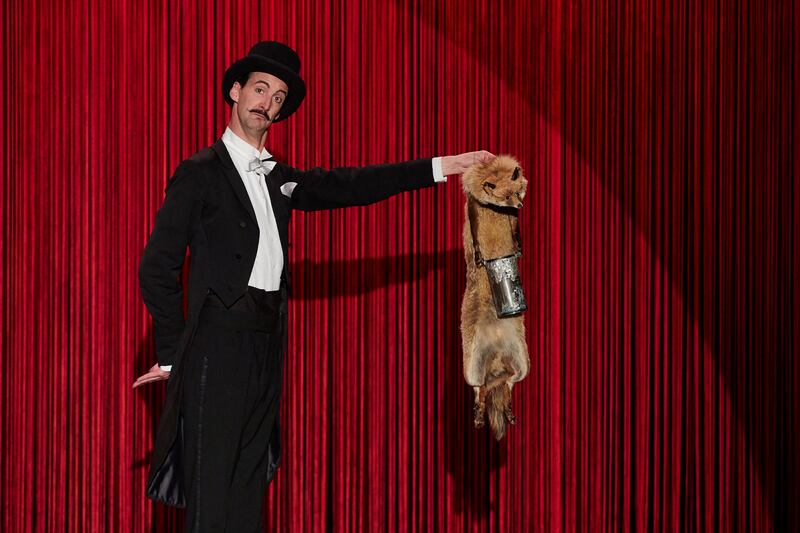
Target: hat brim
254, 63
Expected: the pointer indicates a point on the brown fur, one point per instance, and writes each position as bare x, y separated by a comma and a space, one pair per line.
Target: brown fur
495, 352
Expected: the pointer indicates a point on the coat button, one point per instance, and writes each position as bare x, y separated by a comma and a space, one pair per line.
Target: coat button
242, 224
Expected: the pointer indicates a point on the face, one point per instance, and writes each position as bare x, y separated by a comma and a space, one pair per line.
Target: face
258, 103
504, 185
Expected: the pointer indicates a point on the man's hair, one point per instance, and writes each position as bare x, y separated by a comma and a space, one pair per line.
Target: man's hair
242, 80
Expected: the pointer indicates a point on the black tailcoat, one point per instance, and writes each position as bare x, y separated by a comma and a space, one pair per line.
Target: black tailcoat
207, 209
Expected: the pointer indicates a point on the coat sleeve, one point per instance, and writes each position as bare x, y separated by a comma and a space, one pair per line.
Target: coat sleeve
162, 261
318, 188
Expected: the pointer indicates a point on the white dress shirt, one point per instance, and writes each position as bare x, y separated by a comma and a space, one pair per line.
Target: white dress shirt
268, 265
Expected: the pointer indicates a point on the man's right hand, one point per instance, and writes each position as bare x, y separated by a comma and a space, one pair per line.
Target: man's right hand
154, 374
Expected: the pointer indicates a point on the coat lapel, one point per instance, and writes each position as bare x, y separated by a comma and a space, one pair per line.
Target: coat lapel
234, 178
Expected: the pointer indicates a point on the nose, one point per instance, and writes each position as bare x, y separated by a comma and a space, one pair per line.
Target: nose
519, 205
267, 107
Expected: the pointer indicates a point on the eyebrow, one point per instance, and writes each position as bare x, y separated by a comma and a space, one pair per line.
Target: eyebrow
267, 84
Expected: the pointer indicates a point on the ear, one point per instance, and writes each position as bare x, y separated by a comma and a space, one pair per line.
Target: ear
234, 92
515, 175
488, 185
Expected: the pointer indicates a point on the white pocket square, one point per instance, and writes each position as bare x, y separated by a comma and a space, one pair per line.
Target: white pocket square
288, 187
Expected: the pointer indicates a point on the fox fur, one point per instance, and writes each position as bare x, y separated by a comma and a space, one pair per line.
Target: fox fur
495, 351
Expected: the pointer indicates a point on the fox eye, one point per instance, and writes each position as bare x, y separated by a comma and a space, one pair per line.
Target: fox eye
508, 197
489, 184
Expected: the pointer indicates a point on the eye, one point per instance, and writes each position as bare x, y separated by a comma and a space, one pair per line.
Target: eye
508, 197
278, 100
259, 90
516, 194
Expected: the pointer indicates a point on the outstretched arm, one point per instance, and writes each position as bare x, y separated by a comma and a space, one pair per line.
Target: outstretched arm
318, 188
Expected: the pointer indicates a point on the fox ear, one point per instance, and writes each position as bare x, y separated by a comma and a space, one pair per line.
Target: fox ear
515, 175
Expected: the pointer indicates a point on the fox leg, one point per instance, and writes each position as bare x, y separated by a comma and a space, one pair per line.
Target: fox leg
480, 407
507, 403
481, 393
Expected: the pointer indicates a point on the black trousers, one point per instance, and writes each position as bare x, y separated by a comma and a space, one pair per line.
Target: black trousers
229, 407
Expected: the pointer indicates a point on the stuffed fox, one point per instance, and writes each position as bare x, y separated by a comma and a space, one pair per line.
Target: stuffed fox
495, 352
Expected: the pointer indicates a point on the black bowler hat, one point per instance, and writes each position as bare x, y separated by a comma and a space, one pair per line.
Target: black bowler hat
276, 59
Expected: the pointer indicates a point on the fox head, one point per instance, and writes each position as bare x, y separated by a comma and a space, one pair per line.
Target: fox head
499, 182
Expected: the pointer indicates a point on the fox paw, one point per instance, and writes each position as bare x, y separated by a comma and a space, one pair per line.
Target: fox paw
479, 411
510, 415
507, 412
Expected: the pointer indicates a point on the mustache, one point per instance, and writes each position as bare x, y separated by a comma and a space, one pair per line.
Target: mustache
262, 113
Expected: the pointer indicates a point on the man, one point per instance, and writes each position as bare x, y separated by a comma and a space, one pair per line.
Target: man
217, 446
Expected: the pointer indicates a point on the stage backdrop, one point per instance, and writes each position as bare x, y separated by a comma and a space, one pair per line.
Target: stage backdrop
660, 239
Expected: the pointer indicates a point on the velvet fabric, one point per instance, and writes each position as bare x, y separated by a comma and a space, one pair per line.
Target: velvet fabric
660, 237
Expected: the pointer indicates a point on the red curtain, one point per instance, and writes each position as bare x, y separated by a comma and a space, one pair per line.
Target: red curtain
660, 239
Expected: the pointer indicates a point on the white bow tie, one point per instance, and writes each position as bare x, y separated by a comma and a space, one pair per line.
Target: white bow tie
259, 166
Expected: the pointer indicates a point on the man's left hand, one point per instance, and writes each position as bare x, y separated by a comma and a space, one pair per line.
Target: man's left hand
458, 164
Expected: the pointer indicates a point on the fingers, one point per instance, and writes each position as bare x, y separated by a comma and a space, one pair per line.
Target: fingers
484, 157
458, 164
150, 377
143, 381
480, 156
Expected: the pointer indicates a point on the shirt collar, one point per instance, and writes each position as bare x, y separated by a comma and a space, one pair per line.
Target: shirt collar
240, 149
